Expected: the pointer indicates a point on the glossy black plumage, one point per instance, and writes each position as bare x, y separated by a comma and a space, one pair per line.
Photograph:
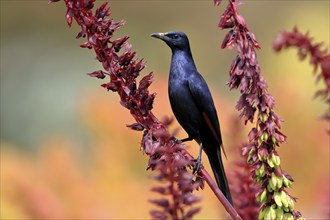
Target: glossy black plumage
192, 104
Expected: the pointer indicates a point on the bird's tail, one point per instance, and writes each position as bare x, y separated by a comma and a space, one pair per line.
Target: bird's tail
219, 172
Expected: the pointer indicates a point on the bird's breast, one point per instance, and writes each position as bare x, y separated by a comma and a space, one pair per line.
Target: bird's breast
184, 107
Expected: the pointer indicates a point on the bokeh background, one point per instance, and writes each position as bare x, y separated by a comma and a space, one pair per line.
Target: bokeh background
65, 150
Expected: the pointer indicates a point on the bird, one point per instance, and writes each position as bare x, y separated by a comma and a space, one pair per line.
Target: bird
193, 107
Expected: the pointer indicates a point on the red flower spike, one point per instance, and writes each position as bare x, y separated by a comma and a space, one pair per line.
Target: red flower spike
319, 58
123, 69
245, 75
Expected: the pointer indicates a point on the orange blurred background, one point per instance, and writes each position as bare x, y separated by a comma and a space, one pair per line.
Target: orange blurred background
65, 150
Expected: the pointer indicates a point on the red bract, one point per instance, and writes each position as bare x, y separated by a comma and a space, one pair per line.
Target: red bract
256, 101
98, 74
319, 58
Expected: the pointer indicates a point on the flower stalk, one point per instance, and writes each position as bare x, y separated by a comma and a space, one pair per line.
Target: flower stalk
256, 105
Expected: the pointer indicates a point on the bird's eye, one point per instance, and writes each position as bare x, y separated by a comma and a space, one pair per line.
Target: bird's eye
175, 36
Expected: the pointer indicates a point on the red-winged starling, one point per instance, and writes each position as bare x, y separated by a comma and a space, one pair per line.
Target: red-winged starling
193, 106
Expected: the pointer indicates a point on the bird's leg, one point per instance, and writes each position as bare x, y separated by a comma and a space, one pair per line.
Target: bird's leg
183, 140
187, 139
177, 141
199, 159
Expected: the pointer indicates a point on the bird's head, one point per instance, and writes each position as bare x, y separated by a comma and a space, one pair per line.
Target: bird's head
175, 40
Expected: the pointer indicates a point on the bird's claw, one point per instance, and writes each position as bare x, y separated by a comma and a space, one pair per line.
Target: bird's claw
198, 165
177, 141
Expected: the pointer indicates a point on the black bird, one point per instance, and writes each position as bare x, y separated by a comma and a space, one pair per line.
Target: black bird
193, 106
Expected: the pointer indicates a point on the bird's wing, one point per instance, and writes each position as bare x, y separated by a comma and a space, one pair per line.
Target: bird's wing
203, 99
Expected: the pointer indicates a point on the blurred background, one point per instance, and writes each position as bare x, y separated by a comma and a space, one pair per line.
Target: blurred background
65, 150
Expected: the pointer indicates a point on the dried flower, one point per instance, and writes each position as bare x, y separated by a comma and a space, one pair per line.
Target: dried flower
255, 100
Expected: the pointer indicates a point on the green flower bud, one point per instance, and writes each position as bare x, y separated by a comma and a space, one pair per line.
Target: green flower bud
290, 203
270, 163
276, 159
265, 157
250, 156
288, 216
259, 156
262, 170
257, 172
284, 199
258, 179
268, 214
263, 213
278, 199
274, 180
263, 117
279, 213
263, 137
285, 181
273, 212
263, 196
269, 187
273, 139
279, 182
251, 151
248, 160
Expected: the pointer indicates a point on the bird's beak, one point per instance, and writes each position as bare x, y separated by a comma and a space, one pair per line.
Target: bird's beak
161, 36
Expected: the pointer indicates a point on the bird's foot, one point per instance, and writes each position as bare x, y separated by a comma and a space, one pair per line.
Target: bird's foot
198, 164
186, 139
182, 140
177, 141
